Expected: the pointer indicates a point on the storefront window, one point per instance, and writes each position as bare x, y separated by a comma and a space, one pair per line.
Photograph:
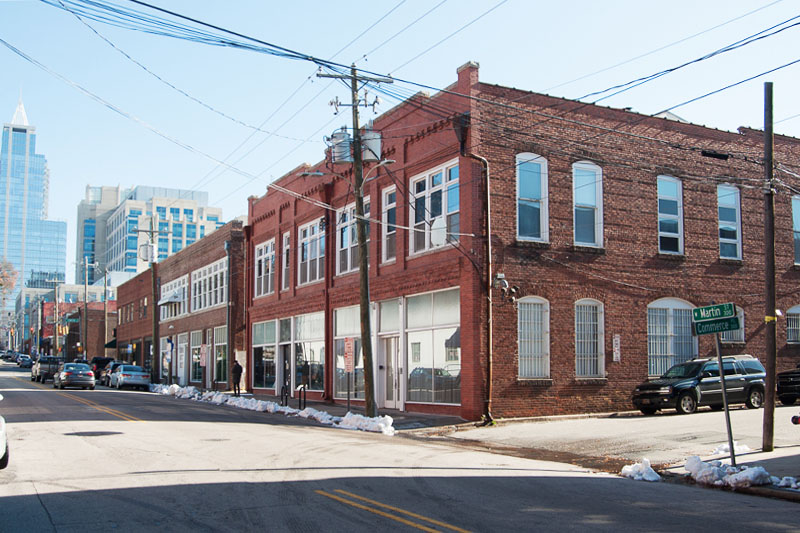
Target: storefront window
264, 355
220, 354
434, 348
197, 370
309, 351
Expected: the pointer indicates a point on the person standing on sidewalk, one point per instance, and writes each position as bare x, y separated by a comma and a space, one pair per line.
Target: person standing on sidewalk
236, 373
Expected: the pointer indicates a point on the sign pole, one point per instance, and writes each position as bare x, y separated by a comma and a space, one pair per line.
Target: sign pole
725, 399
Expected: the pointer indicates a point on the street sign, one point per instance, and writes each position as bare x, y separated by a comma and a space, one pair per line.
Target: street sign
72, 320
713, 312
716, 326
349, 349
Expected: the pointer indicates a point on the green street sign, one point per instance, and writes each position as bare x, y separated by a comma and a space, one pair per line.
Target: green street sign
716, 326
72, 320
713, 312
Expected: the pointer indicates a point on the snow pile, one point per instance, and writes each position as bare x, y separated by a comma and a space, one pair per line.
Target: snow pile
640, 471
787, 482
379, 424
721, 475
725, 449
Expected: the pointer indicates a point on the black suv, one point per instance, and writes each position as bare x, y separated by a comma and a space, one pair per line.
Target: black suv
789, 386
686, 386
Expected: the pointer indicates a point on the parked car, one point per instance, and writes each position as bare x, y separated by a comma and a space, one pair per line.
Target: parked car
45, 368
24, 361
105, 373
686, 386
3, 442
74, 375
130, 376
98, 363
789, 386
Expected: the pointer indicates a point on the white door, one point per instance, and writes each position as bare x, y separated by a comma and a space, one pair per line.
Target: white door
183, 368
391, 373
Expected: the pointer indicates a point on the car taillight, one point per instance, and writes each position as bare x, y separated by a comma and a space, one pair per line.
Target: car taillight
127, 376
90, 373
67, 373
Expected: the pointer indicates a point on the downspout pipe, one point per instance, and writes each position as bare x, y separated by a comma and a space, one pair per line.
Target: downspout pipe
462, 126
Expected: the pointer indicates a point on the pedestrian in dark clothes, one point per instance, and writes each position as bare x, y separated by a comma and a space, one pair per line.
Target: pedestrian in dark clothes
236, 373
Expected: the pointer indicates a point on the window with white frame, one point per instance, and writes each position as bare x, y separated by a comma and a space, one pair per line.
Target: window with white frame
221, 354
347, 237
589, 339
734, 335
310, 253
210, 285
796, 228
730, 222
388, 228
670, 215
533, 337
793, 325
286, 272
587, 196
669, 334
532, 218
434, 208
174, 301
265, 268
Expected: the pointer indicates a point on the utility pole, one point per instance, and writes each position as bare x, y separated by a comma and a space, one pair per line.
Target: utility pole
770, 320
361, 234
154, 307
105, 309
85, 336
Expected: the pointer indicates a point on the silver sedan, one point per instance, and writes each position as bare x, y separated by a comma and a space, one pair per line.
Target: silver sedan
74, 375
130, 376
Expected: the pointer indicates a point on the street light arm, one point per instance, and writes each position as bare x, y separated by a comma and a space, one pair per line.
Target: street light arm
376, 167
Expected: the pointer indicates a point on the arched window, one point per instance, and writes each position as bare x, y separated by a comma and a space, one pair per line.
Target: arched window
589, 339
735, 335
793, 325
587, 198
669, 334
533, 337
532, 219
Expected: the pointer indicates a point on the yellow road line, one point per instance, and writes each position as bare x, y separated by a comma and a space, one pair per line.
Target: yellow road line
103, 408
376, 511
398, 510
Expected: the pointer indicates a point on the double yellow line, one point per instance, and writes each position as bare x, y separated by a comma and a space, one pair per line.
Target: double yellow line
103, 408
389, 507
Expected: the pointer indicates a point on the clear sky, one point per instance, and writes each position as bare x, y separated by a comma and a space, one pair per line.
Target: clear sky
565, 48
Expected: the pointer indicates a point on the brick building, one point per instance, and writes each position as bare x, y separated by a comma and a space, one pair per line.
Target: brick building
200, 300
100, 320
607, 227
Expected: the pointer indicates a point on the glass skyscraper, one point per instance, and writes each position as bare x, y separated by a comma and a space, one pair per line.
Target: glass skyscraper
35, 246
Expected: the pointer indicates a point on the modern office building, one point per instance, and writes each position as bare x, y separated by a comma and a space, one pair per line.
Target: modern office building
180, 217
35, 246
93, 214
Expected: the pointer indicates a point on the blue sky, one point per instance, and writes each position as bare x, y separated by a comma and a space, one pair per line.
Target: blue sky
529, 44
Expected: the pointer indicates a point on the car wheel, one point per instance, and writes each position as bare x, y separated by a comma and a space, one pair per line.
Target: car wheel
91, 388
4, 459
755, 398
648, 410
787, 400
686, 403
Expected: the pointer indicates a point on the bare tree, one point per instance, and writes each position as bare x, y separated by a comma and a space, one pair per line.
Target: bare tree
8, 279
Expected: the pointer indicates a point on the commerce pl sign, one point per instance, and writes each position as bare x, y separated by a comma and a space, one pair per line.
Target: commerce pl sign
714, 319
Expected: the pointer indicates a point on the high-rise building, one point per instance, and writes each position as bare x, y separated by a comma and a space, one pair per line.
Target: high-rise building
93, 214
35, 246
180, 217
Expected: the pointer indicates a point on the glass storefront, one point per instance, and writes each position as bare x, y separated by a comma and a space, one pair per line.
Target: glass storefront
264, 355
309, 351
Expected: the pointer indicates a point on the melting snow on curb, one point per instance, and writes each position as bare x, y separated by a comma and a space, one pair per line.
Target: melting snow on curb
379, 424
640, 472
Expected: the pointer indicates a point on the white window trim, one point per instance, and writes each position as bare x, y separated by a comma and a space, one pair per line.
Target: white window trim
545, 336
385, 223
210, 286
346, 220
601, 355
428, 223
678, 217
175, 309
319, 237
736, 336
793, 312
264, 256
544, 217
286, 258
738, 240
598, 194
671, 304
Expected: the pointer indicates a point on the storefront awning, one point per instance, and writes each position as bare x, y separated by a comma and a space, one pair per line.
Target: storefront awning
111, 344
173, 297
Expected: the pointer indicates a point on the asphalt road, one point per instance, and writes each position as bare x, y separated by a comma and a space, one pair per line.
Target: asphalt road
130, 461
